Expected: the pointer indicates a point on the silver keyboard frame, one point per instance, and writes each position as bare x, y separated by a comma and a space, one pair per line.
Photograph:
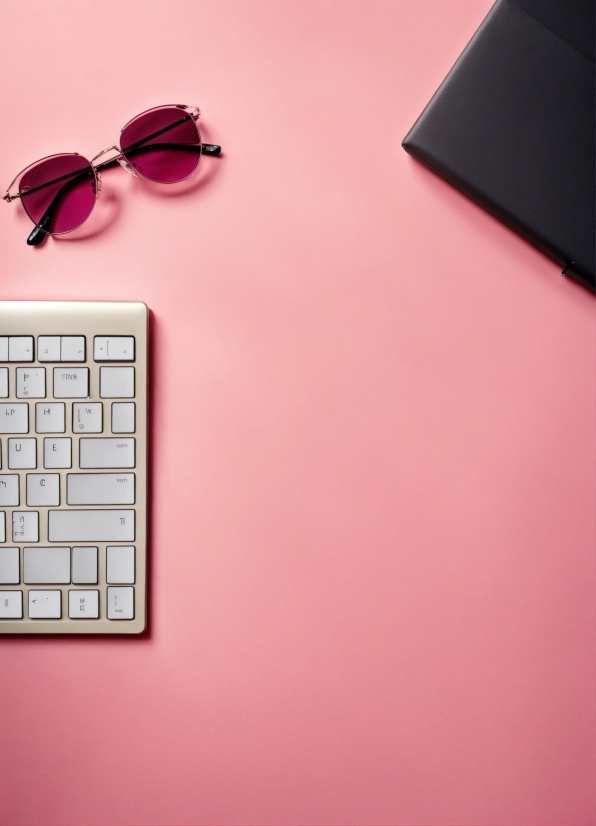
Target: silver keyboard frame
88, 318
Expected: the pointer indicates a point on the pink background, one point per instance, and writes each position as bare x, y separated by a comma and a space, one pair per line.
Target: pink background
372, 581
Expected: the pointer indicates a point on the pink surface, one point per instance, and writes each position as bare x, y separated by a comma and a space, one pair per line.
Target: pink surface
372, 580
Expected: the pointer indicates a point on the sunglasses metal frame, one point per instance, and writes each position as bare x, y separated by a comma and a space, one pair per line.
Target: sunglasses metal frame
39, 233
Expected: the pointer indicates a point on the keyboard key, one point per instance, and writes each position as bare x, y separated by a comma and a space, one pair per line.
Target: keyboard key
9, 566
14, 418
84, 565
107, 453
83, 604
57, 453
100, 489
31, 382
2, 526
71, 382
72, 348
114, 348
9, 489
11, 605
91, 526
120, 564
50, 417
43, 489
25, 526
45, 604
22, 453
20, 348
48, 348
3, 382
116, 382
43, 566
3, 348
121, 603
123, 417
87, 417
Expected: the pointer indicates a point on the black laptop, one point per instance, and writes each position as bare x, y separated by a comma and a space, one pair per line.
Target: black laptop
512, 126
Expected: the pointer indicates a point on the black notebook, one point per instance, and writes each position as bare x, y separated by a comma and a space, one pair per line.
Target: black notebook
512, 126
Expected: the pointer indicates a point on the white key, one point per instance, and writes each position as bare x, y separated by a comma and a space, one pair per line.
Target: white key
2, 526
120, 564
123, 417
9, 566
14, 418
46, 566
43, 489
57, 453
3, 382
116, 382
83, 604
20, 348
91, 526
87, 417
100, 489
107, 453
50, 417
31, 382
72, 348
25, 526
48, 348
71, 382
9, 489
22, 453
121, 603
45, 604
11, 605
114, 348
3, 348
84, 565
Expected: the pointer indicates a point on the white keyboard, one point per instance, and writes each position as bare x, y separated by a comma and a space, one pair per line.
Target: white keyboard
73, 467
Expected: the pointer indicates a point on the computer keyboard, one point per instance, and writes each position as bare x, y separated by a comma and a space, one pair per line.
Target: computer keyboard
73, 467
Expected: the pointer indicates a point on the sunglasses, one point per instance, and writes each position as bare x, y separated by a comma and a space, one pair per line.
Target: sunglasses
59, 192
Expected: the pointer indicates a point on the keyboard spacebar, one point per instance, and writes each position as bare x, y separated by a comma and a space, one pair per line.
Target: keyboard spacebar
91, 526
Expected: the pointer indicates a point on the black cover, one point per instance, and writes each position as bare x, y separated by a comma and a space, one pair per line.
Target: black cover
512, 125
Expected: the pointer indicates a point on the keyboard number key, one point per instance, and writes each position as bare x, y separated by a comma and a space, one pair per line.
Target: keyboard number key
20, 348
123, 417
83, 604
9, 489
116, 382
14, 418
114, 348
25, 526
45, 604
31, 382
71, 382
9, 566
121, 603
57, 453
50, 417
11, 605
84, 565
72, 348
48, 348
87, 417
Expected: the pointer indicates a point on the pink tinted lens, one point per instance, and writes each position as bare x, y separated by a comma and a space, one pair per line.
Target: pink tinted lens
163, 144
59, 193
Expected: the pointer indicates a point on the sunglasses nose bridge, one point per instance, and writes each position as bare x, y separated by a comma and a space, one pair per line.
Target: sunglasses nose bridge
125, 165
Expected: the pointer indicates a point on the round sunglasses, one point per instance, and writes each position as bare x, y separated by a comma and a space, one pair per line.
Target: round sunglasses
59, 192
